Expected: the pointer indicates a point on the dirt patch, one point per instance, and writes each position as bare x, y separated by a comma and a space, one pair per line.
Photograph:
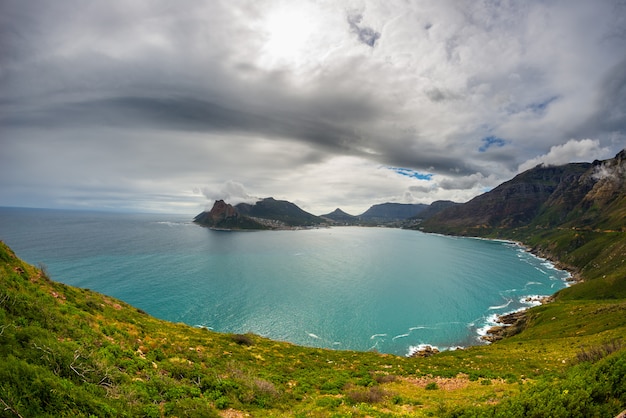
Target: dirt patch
444, 383
233, 413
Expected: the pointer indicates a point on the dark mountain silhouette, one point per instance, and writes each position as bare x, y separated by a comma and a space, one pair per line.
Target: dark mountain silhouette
434, 208
267, 213
388, 212
341, 217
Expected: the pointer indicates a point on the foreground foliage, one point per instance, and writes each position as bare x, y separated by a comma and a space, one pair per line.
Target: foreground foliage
68, 351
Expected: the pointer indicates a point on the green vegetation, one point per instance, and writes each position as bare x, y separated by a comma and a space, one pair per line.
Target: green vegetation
72, 352
67, 351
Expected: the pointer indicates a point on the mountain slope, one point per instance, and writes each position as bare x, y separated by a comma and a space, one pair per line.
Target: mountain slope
279, 210
514, 203
574, 214
434, 208
386, 212
340, 216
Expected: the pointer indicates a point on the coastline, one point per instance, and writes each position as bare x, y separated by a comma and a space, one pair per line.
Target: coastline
511, 323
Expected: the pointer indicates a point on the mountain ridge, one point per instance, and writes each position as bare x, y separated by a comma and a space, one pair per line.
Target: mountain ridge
573, 214
387, 212
267, 213
338, 216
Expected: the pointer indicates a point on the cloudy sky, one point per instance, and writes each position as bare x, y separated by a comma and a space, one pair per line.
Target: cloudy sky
166, 106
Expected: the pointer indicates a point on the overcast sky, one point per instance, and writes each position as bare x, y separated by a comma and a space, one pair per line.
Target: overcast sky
168, 105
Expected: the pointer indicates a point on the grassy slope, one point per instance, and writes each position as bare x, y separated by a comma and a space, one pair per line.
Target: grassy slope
68, 351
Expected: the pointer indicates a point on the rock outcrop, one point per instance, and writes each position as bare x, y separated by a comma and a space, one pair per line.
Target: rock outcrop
512, 324
222, 211
425, 351
224, 216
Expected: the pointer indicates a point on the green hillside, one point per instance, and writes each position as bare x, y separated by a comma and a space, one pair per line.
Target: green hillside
68, 351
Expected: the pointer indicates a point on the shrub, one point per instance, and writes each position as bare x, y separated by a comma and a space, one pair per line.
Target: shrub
329, 402
385, 378
594, 354
372, 394
221, 402
432, 386
242, 339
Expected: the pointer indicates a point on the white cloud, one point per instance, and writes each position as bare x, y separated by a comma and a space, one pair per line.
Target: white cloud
232, 192
584, 150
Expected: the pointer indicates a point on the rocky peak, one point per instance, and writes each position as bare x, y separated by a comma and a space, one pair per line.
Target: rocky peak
610, 180
222, 211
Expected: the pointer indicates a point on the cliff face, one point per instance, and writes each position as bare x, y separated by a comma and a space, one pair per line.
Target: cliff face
225, 216
220, 212
610, 180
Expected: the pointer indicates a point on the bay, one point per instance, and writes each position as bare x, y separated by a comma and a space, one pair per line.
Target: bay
389, 290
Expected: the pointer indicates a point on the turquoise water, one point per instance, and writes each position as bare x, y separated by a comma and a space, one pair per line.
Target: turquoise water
354, 288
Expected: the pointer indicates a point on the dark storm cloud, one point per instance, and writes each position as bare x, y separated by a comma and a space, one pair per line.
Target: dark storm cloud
609, 108
169, 96
438, 95
189, 114
409, 153
612, 107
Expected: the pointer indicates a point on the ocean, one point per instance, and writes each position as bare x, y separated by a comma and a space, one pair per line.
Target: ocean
346, 288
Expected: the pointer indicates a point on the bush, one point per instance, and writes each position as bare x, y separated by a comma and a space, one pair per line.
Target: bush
385, 378
329, 402
594, 354
243, 339
588, 390
372, 394
432, 386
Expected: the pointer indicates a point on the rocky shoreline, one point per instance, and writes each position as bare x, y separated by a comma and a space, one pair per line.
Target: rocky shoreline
512, 323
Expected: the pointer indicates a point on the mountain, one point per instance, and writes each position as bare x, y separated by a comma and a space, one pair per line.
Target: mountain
434, 208
267, 213
387, 212
341, 217
225, 216
279, 210
574, 213
591, 195
513, 203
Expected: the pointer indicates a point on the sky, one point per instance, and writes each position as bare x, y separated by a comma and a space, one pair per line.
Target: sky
167, 106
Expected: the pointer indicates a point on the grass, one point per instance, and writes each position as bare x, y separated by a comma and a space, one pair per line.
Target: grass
68, 351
